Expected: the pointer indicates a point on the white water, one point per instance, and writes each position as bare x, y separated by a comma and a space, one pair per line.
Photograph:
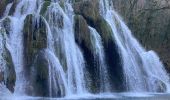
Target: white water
57, 74
15, 41
8, 7
72, 53
142, 69
98, 51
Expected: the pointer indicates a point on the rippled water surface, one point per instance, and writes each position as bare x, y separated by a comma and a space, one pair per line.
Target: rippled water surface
116, 96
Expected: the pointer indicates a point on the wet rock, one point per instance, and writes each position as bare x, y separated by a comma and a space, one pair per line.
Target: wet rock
1, 77
35, 37
41, 72
6, 24
88, 9
82, 37
90, 12
41, 77
3, 4
7, 74
10, 74
45, 7
82, 32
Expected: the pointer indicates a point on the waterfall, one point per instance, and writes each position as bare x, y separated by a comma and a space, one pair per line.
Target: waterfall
65, 60
143, 71
71, 52
8, 7
15, 40
98, 51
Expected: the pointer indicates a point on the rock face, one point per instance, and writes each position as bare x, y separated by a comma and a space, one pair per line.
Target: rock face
7, 71
149, 20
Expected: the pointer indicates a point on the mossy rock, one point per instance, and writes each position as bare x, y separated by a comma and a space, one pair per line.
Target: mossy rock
82, 32
8, 75
6, 24
88, 9
104, 29
35, 37
45, 7
83, 39
43, 68
9, 71
3, 4
90, 12
41, 75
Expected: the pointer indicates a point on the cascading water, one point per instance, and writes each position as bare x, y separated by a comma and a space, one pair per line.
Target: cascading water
140, 67
99, 53
143, 71
15, 40
72, 53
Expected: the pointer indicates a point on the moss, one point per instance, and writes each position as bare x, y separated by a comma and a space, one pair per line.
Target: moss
35, 37
82, 32
104, 29
45, 7
89, 10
